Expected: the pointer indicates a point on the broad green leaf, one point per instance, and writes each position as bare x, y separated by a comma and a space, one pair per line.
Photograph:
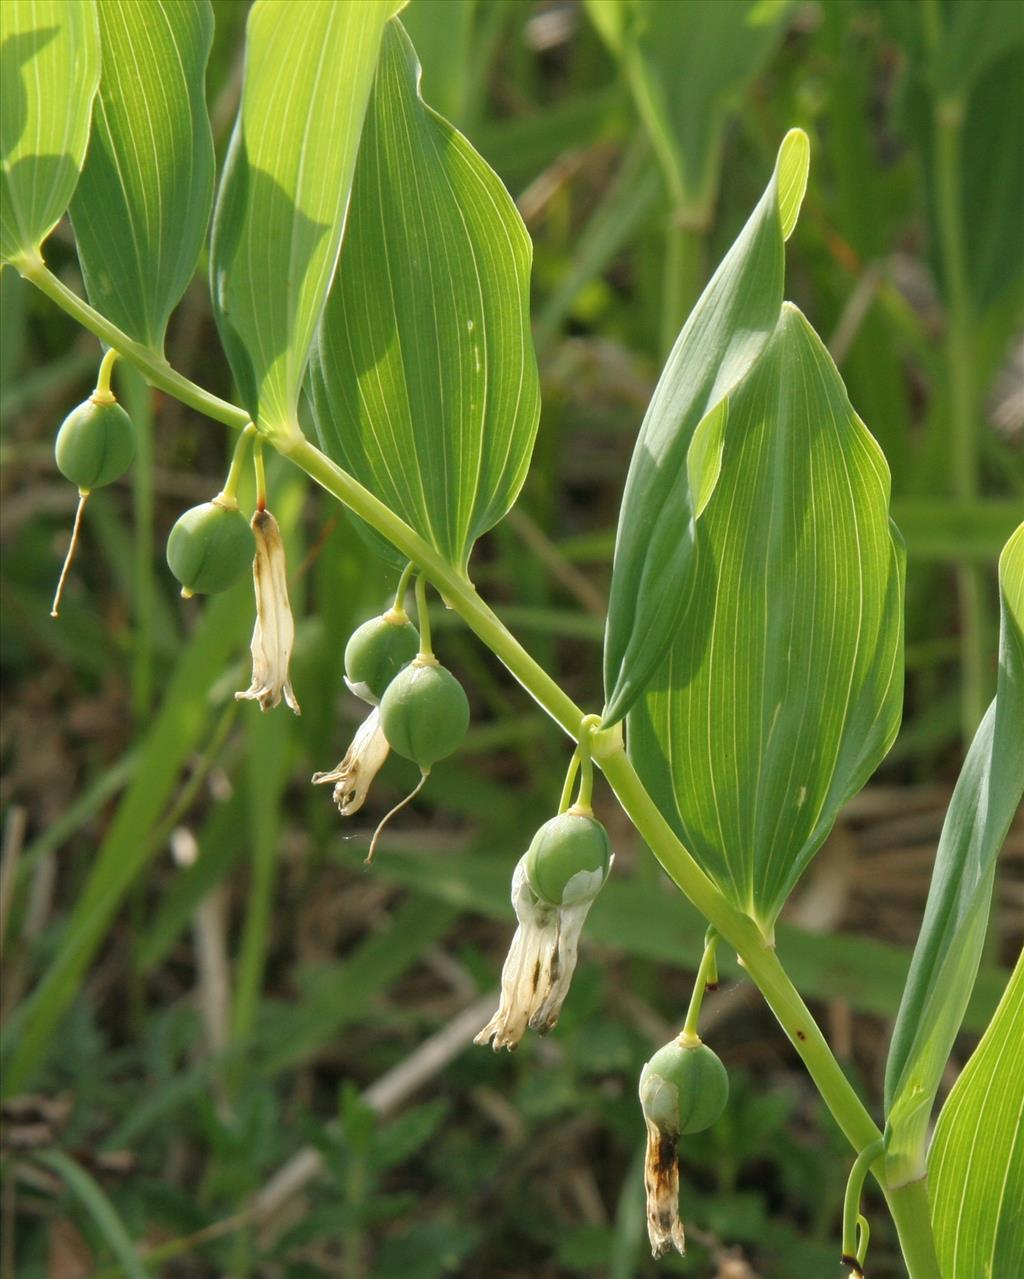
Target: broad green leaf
285, 193
686, 65
949, 947
142, 205
424, 379
49, 69
781, 689
976, 1162
726, 332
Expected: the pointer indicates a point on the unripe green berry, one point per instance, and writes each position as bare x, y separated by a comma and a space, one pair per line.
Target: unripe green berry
568, 859
377, 651
95, 444
684, 1088
424, 713
210, 547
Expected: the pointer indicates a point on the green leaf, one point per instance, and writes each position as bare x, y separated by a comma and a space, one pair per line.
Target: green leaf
726, 332
49, 70
687, 64
949, 947
285, 193
782, 689
94, 1199
142, 205
424, 380
976, 1162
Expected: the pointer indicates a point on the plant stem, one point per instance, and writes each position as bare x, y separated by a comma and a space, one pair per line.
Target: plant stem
103, 376
691, 1027
398, 608
423, 618
151, 364
737, 929
229, 493
912, 1215
684, 268
854, 1188
948, 118
908, 1204
570, 779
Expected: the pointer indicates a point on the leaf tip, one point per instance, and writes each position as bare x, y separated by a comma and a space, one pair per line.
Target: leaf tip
791, 169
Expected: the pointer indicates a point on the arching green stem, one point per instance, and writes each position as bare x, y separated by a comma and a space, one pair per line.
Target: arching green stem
909, 1203
151, 364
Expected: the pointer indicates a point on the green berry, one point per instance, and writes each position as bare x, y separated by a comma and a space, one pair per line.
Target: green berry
210, 547
424, 713
684, 1088
377, 651
95, 444
568, 859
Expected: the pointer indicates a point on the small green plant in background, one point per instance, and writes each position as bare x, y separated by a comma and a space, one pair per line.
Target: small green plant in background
369, 277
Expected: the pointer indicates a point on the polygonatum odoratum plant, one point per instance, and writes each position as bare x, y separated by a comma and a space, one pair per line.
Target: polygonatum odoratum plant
370, 279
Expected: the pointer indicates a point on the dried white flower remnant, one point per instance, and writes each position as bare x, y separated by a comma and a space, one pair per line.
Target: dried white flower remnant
661, 1181
274, 633
540, 963
363, 761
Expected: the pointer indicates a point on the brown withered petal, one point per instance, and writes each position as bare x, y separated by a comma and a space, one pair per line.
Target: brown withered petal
661, 1180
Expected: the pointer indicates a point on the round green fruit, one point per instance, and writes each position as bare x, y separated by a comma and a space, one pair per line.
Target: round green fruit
95, 444
376, 652
684, 1088
210, 547
424, 713
568, 859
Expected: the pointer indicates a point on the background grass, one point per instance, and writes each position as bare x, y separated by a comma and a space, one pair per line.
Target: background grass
229, 1049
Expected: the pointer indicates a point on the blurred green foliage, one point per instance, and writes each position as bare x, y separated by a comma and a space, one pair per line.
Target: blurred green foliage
217, 1012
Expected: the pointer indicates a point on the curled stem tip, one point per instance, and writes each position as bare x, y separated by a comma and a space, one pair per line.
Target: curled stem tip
856, 1231
397, 809
83, 497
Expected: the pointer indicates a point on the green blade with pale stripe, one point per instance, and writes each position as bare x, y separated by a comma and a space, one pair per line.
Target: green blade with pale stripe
142, 206
719, 344
285, 192
423, 378
781, 688
976, 1162
49, 70
949, 948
